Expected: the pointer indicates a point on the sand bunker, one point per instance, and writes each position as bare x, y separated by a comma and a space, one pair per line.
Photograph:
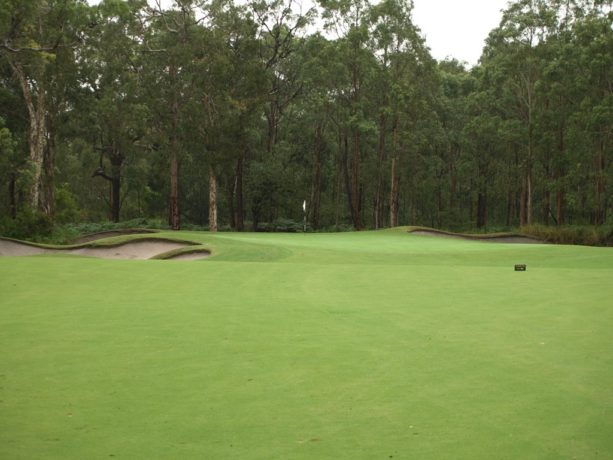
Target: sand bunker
510, 239
133, 250
137, 250
13, 248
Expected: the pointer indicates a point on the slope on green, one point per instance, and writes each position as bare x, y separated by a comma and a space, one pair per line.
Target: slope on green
324, 346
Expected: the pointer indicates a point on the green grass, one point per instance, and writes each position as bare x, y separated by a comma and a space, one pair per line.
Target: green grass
370, 345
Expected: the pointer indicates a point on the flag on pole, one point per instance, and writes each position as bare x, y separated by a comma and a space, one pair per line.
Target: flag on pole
304, 206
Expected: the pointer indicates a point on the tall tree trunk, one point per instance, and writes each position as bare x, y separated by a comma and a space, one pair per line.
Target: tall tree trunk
115, 197
546, 207
356, 201
116, 159
439, 210
510, 199
394, 195
348, 185
273, 121
560, 215
559, 173
547, 192
481, 196
240, 213
212, 200
37, 133
599, 208
453, 179
530, 160
12, 194
378, 202
529, 198
231, 191
47, 199
316, 184
174, 216
340, 169
522, 204
482, 209
394, 179
116, 164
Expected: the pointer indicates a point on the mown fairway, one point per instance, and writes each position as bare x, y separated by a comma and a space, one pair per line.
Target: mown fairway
371, 345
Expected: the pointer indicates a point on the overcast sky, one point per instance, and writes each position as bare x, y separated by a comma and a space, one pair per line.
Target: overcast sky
457, 28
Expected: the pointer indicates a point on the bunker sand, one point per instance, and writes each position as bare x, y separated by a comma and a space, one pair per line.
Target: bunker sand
136, 250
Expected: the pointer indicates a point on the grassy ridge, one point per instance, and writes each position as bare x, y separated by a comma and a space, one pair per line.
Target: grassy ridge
359, 346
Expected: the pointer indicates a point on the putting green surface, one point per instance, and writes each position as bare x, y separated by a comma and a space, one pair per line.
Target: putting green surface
372, 345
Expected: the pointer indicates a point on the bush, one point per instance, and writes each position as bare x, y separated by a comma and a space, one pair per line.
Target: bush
27, 225
67, 209
282, 225
568, 234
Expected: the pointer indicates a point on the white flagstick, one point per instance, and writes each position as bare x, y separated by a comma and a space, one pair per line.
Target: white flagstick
304, 209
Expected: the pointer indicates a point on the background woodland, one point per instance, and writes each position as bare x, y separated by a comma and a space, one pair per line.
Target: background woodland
227, 116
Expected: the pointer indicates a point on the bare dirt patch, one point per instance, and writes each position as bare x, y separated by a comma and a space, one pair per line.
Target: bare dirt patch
510, 239
137, 250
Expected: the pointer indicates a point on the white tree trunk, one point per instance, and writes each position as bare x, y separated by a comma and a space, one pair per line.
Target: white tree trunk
212, 200
37, 131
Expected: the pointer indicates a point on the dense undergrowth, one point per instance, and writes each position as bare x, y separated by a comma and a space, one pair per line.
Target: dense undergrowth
571, 234
37, 227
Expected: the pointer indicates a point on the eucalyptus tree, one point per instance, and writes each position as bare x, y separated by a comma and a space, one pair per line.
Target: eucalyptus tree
14, 125
547, 63
515, 53
228, 87
32, 34
312, 120
168, 41
111, 62
456, 86
281, 23
8, 147
405, 73
349, 20
593, 43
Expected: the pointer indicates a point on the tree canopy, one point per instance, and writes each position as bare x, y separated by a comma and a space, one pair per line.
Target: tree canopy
230, 115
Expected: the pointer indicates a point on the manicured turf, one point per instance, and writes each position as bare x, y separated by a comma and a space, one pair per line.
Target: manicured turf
371, 345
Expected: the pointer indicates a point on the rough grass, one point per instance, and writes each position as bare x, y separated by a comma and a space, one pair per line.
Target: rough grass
568, 234
475, 236
326, 346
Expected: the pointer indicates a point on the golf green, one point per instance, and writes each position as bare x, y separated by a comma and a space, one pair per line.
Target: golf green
369, 345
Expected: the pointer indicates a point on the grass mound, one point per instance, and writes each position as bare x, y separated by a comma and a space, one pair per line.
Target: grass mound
500, 237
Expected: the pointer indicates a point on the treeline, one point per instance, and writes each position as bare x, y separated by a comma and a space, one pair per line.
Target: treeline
231, 115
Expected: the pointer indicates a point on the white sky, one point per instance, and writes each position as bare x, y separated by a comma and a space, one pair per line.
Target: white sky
457, 28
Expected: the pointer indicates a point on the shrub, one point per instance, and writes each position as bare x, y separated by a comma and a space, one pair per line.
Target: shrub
27, 225
282, 225
586, 235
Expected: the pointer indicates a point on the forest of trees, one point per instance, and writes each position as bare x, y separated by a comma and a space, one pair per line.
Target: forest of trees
229, 115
